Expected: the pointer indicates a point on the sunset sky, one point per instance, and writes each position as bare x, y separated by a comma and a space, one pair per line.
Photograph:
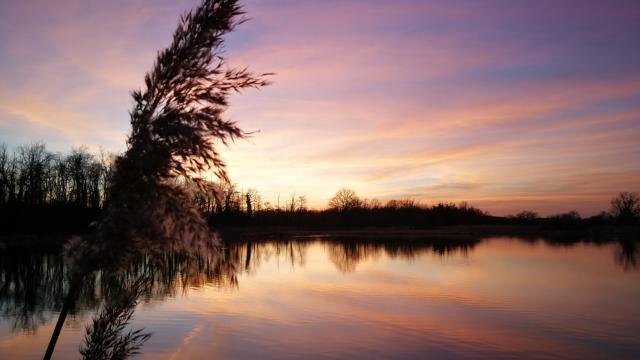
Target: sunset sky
509, 105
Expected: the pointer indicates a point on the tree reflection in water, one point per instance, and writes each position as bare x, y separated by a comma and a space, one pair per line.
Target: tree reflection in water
627, 253
33, 285
347, 254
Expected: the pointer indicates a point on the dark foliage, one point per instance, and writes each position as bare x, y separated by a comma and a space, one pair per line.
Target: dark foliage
347, 210
384, 216
75, 190
57, 192
626, 206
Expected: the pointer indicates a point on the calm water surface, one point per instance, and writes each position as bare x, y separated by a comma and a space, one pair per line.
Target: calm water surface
495, 298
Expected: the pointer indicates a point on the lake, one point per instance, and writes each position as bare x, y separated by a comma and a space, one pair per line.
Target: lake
317, 298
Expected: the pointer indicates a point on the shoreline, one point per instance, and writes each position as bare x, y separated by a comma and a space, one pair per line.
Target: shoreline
447, 232
453, 233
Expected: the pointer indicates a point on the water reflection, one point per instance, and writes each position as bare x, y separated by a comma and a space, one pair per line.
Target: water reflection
347, 254
33, 285
627, 253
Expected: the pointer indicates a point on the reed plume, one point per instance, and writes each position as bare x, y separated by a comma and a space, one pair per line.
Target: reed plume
177, 124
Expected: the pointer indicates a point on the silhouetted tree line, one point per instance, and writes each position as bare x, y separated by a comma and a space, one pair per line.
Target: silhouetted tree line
625, 210
41, 191
347, 209
51, 191
294, 212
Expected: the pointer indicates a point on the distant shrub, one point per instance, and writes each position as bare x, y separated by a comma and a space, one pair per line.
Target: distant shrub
526, 215
568, 216
626, 206
345, 199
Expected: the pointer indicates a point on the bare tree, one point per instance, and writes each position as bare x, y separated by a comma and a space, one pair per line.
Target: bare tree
626, 206
4, 174
34, 163
302, 203
12, 181
253, 201
526, 215
345, 199
291, 204
78, 163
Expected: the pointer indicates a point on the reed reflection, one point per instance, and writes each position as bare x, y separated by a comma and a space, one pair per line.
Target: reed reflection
150, 277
